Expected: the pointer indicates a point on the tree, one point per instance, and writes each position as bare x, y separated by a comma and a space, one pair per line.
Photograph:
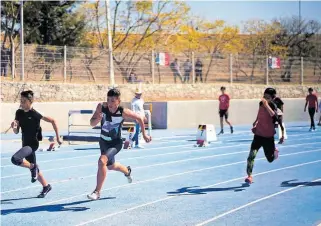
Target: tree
45, 23
258, 43
138, 27
9, 17
297, 37
218, 38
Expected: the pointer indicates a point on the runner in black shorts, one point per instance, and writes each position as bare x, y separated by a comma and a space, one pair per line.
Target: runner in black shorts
29, 120
224, 104
112, 115
264, 132
223, 113
312, 103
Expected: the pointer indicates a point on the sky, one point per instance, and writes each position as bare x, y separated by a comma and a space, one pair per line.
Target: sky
236, 12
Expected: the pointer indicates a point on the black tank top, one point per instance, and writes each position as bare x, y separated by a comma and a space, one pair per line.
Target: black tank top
111, 124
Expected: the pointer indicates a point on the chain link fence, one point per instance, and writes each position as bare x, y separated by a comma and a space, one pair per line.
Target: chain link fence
91, 65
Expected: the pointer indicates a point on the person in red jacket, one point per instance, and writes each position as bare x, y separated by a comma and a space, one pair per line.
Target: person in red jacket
319, 124
264, 131
312, 102
224, 104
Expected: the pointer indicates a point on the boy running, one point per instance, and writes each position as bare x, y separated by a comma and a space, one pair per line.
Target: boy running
224, 105
29, 120
112, 115
312, 103
264, 131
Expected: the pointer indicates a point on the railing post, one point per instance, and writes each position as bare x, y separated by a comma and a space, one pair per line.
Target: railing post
153, 66
267, 71
231, 69
193, 68
13, 65
301, 73
65, 63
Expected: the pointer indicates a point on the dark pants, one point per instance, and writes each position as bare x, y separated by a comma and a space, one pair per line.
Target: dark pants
177, 74
136, 136
198, 74
268, 146
312, 113
186, 76
4, 69
26, 152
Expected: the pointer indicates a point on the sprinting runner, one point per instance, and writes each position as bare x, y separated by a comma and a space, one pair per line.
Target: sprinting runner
312, 103
224, 105
264, 130
112, 115
29, 120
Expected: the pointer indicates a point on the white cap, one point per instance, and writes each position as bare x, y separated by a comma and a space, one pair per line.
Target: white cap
139, 89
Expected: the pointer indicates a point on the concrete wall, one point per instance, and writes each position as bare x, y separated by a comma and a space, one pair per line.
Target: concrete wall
172, 114
56, 92
192, 113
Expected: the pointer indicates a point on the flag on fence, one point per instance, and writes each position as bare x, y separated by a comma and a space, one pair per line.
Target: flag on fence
274, 62
162, 59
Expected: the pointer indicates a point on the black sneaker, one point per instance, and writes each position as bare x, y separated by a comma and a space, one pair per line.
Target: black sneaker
34, 173
221, 132
45, 191
232, 129
129, 177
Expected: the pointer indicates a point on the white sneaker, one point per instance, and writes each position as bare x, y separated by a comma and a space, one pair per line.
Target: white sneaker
94, 196
128, 176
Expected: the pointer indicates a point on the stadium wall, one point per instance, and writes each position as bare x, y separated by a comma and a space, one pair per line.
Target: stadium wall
60, 92
170, 114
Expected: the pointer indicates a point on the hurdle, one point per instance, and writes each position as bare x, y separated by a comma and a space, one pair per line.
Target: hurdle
70, 124
148, 126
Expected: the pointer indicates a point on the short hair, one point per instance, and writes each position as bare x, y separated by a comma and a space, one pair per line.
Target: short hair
223, 88
28, 94
113, 93
310, 89
270, 91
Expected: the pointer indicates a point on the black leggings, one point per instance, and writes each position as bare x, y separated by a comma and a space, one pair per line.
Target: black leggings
311, 113
26, 152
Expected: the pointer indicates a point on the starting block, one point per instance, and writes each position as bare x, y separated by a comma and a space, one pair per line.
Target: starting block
205, 135
280, 132
52, 147
128, 144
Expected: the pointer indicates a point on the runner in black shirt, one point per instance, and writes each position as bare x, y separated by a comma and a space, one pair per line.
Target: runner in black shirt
28, 119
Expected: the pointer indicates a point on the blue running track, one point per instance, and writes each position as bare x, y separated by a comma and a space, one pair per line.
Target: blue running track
174, 183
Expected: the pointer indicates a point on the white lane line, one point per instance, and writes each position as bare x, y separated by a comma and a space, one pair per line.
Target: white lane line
254, 202
142, 157
171, 197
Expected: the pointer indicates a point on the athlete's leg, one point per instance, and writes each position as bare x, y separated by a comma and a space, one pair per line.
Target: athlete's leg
271, 153
228, 122
255, 146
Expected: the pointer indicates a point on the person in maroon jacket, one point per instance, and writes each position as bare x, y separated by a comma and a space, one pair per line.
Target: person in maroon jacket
312, 100
264, 131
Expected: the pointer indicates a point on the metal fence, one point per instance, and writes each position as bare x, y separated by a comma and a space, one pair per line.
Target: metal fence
86, 65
